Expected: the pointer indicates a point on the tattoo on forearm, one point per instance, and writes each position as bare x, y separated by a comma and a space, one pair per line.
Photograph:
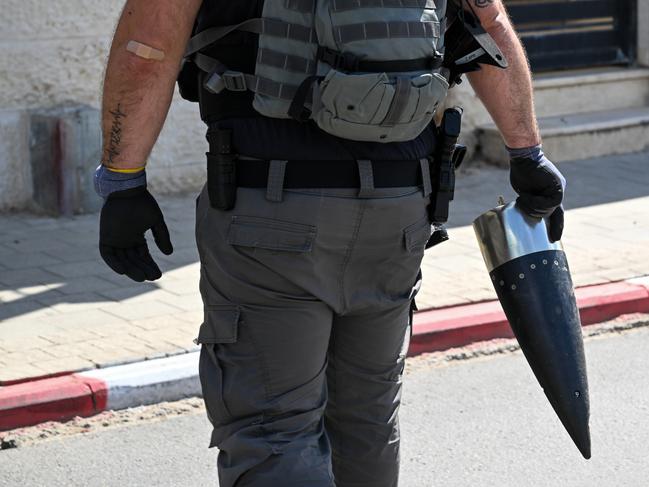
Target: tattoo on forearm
115, 139
483, 3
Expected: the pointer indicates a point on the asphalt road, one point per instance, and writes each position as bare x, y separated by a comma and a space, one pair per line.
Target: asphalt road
479, 422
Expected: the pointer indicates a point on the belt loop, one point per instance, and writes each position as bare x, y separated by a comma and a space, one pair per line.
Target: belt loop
367, 178
275, 188
425, 177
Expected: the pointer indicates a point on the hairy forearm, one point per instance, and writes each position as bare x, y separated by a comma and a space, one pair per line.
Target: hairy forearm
507, 94
137, 91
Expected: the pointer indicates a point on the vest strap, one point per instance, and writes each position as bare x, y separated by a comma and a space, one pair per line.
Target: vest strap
220, 78
349, 62
271, 27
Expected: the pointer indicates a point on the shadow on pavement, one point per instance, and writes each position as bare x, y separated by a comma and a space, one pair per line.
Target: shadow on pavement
590, 182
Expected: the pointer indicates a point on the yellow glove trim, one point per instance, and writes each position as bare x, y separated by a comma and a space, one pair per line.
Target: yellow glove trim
133, 170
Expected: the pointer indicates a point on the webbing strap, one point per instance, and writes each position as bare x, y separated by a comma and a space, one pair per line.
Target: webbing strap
349, 62
386, 30
271, 27
342, 5
276, 174
425, 174
221, 78
399, 102
289, 62
366, 174
303, 6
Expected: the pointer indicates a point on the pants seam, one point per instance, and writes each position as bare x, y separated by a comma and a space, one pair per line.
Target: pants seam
348, 253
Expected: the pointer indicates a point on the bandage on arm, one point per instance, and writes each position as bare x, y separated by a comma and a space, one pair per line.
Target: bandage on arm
144, 51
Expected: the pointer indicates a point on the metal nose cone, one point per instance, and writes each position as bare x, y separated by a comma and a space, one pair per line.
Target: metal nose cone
533, 283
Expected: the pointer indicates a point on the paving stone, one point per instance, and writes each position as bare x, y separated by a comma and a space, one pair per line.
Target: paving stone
73, 302
18, 371
79, 269
33, 356
75, 253
84, 320
86, 284
181, 287
65, 364
141, 310
138, 292
27, 277
24, 309
21, 260
35, 244
24, 343
68, 337
189, 302
158, 322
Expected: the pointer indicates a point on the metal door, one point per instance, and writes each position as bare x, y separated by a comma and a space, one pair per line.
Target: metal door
576, 33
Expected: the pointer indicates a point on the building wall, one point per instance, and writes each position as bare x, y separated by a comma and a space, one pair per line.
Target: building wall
54, 53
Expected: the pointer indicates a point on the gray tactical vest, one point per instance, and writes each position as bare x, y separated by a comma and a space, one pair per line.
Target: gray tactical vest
365, 70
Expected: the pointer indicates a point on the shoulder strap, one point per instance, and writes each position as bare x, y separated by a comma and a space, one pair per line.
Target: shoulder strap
271, 27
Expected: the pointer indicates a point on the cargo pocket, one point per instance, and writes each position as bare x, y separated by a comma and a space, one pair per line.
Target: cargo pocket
416, 236
377, 108
269, 234
220, 327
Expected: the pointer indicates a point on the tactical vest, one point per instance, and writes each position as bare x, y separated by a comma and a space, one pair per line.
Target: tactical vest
365, 70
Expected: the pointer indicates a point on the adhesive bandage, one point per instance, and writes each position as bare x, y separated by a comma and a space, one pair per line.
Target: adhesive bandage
144, 51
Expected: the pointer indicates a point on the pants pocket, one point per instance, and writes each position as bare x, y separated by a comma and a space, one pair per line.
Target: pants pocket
416, 236
220, 327
271, 234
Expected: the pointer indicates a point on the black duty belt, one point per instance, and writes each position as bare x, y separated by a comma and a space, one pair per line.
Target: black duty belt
330, 174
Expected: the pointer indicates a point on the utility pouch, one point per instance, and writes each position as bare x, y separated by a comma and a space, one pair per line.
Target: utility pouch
374, 107
222, 173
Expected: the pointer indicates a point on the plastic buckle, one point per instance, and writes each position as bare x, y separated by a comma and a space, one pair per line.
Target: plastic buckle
337, 60
349, 61
214, 83
234, 81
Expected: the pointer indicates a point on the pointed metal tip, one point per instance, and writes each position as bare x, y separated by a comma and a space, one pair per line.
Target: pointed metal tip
582, 441
576, 424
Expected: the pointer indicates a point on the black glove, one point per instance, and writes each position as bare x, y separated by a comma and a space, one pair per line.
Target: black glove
125, 218
540, 187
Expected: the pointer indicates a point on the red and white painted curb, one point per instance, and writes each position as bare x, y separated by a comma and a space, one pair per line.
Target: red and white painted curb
89, 393
169, 379
444, 328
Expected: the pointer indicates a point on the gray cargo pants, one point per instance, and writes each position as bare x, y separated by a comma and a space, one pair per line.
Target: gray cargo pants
307, 303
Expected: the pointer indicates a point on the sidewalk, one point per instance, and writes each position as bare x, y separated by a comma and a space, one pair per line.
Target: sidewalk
63, 310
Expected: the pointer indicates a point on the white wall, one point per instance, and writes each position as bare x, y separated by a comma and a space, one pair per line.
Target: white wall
53, 53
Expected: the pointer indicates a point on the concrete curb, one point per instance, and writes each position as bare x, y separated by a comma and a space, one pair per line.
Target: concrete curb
169, 379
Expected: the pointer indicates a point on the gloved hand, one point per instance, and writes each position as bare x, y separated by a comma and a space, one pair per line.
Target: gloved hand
540, 187
125, 218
